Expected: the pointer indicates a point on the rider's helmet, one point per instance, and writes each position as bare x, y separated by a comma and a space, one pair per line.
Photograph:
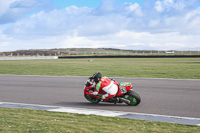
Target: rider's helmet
97, 76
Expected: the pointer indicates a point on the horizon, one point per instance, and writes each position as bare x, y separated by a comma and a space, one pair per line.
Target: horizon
122, 24
99, 49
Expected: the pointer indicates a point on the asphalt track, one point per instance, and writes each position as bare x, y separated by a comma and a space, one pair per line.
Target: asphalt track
174, 97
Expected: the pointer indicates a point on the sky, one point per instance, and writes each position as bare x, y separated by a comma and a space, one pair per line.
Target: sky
121, 24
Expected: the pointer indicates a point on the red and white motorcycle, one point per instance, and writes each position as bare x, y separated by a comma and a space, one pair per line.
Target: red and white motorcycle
125, 94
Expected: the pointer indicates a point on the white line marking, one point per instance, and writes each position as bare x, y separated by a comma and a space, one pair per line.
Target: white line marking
96, 110
131, 115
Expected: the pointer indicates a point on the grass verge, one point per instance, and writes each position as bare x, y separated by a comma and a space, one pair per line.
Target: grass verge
179, 68
25, 120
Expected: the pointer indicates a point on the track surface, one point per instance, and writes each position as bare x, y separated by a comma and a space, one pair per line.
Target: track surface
159, 96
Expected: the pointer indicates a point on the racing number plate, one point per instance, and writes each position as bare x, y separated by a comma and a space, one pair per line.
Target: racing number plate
123, 90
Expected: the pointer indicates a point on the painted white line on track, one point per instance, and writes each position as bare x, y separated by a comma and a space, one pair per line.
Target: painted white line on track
89, 111
130, 115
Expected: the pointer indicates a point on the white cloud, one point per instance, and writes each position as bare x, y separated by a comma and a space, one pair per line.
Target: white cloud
137, 40
13, 10
158, 6
169, 24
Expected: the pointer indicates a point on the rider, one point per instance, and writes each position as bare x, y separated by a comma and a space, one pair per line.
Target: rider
104, 87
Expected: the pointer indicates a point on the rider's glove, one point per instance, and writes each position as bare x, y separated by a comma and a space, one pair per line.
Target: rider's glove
95, 93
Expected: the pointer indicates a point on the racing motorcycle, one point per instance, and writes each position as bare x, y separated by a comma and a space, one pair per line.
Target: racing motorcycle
125, 94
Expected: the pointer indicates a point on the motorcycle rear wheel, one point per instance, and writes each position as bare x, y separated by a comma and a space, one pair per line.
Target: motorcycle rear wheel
133, 97
92, 100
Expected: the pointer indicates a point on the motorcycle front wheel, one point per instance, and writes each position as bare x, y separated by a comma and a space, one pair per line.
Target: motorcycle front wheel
133, 97
92, 100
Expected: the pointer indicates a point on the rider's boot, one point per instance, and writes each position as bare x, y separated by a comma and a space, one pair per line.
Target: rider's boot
116, 100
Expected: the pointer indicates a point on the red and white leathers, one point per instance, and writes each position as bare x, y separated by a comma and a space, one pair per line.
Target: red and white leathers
106, 87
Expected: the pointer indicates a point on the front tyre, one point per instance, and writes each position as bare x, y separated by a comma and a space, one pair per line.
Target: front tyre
133, 97
92, 100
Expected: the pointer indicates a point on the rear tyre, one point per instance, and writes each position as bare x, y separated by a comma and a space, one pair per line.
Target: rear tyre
92, 100
133, 97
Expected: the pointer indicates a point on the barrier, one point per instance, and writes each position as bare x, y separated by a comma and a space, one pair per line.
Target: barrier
29, 58
133, 56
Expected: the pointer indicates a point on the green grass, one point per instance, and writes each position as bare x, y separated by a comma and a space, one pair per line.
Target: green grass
179, 68
25, 120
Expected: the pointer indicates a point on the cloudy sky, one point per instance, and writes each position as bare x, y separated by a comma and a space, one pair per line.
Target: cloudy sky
123, 24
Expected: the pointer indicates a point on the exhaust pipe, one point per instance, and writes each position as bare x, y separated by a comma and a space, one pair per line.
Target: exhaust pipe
124, 100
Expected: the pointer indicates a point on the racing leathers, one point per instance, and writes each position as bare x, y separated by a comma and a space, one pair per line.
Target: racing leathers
106, 88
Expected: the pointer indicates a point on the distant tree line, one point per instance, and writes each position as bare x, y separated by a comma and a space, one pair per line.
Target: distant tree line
88, 51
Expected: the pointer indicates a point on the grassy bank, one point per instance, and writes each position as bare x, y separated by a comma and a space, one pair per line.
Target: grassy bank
24, 120
186, 68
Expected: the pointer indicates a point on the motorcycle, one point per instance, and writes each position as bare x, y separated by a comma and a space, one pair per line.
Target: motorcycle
125, 94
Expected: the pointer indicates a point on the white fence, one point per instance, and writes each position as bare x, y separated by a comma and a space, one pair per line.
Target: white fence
29, 58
